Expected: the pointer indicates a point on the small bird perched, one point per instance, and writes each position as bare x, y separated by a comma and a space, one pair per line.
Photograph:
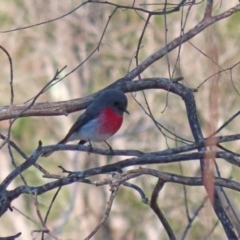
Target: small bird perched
102, 119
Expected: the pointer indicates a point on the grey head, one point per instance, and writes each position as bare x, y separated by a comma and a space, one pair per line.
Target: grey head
113, 98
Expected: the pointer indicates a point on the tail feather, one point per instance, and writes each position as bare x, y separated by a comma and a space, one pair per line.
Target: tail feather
63, 141
82, 142
47, 154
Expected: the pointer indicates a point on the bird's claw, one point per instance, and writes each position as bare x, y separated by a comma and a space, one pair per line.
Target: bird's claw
90, 148
111, 152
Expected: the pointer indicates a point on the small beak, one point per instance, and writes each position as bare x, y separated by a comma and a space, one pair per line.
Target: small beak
126, 111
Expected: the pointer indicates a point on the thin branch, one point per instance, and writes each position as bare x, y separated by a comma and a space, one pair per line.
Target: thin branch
212, 230
208, 10
50, 207
90, 55
158, 212
183, 25
218, 72
43, 224
17, 171
177, 41
17, 116
191, 220
167, 152
139, 190
156, 123
13, 237
11, 74
225, 124
45, 22
140, 40
144, 159
26, 216
185, 194
164, 12
204, 54
114, 190
23, 155
166, 177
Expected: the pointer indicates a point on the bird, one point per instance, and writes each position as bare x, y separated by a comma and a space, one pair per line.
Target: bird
102, 119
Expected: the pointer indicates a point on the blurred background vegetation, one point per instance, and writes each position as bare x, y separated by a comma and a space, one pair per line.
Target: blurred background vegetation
37, 52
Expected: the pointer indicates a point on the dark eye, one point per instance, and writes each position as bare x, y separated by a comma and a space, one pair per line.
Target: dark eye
116, 103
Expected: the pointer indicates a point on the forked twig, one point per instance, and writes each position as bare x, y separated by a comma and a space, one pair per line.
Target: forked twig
158, 212
113, 189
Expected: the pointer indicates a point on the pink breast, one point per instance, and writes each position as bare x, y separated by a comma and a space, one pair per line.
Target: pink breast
110, 122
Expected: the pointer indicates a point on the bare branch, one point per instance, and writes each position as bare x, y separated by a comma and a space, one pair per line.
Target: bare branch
139, 190
114, 190
11, 237
166, 177
45, 22
164, 12
208, 10
11, 74
66, 107
157, 210
190, 220
177, 41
